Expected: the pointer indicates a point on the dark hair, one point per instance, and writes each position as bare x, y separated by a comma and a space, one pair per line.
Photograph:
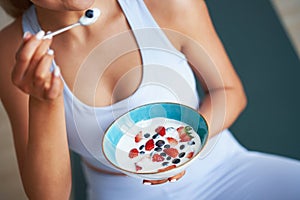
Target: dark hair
15, 8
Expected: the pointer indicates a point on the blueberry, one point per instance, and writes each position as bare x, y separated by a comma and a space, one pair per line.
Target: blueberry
142, 152
163, 154
167, 146
169, 158
155, 136
160, 143
147, 135
191, 142
165, 163
89, 13
181, 147
176, 161
158, 149
181, 155
141, 147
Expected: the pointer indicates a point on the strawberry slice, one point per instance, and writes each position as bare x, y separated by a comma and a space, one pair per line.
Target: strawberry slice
157, 158
184, 133
171, 152
149, 145
133, 153
138, 137
180, 129
172, 141
161, 130
190, 155
137, 167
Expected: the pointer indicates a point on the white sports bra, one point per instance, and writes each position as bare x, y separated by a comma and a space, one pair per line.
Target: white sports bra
167, 77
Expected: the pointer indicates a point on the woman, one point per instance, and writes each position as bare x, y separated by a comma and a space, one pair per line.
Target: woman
129, 57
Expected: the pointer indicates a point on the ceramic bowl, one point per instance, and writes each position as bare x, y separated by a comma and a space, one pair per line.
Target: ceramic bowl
141, 142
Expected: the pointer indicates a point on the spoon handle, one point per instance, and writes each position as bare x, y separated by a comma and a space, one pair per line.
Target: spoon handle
52, 34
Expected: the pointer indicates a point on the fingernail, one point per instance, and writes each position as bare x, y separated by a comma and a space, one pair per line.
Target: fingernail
40, 35
50, 52
147, 183
26, 35
173, 180
47, 86
56, 72
48, 36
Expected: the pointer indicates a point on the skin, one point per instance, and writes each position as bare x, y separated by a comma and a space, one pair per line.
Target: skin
32, 95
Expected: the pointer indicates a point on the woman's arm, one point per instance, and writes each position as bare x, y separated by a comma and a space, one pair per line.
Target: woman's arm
188, 25
37, 120
224, 94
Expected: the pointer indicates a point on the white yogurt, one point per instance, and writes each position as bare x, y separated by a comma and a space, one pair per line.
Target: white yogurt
144, 160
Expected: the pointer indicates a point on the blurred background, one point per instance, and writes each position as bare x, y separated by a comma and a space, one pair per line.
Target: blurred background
262, 38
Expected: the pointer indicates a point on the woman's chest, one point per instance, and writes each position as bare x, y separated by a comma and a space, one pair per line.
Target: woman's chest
105, 74
124, 74
114, 69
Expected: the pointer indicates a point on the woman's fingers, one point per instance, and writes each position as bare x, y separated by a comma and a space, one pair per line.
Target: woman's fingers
154, 182
171, 179
32, 72
39, 53
27, 35
41, 74
53, 90
176, 177
24, 56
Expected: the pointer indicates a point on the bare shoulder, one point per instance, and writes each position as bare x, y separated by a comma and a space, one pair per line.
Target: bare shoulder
189, 18
181, 6
177, 13
10, 40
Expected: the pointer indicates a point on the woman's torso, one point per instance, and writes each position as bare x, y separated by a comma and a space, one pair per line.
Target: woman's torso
122, 72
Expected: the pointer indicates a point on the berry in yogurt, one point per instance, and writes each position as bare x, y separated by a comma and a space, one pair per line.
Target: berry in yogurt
157, 158
90, 17
172, 141
160, 143
190, 155
157, 145
171, 152
138, 137
185, 133
149, 145
133, 153
161, 130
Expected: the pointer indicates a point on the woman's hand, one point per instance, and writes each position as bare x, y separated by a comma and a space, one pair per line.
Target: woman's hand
171, 179
37, 116
31, 72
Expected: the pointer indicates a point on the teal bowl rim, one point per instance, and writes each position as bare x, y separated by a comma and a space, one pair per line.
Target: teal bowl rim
157, 172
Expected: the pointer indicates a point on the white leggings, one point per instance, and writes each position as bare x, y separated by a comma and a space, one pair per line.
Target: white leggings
226, 171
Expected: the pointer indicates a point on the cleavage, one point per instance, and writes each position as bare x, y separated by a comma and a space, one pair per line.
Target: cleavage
111, 72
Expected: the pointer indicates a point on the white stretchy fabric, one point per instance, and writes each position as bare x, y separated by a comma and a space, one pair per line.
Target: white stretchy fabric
226, 170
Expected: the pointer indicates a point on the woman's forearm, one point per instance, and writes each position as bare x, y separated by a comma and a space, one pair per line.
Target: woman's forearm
46, 169
221, 107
